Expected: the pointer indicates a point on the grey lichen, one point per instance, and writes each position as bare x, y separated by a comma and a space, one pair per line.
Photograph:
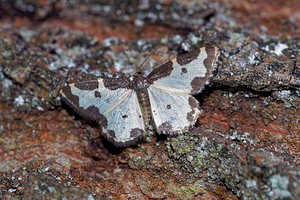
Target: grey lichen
221, 163
279, 187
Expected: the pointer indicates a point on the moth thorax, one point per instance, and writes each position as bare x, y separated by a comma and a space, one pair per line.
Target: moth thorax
141, 83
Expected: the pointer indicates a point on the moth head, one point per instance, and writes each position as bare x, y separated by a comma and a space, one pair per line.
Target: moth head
140, 82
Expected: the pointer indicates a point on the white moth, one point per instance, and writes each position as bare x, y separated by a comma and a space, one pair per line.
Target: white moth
125, 108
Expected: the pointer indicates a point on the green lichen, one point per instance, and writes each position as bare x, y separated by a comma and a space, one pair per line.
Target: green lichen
178, 147
187, 191
2, 140
137, 162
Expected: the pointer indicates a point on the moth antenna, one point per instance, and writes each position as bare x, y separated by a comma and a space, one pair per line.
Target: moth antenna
159, 64
147, 57
61, 84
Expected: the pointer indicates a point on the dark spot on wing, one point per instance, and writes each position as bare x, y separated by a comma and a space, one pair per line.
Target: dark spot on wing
97, 94
162, 71
115, 83
168, 106
111, 134
124, 116
197, 84
183, 70
209, 63
135, 136
103, 121
91, 113
188, 57
136, 132
165, 127
194, 105
69, 97
87, 85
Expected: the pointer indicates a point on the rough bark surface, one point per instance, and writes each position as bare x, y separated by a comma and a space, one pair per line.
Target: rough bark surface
245, 144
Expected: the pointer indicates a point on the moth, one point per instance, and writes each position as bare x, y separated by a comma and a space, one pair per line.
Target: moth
125, 108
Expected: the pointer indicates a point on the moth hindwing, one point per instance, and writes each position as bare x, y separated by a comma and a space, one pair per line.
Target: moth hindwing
125, 108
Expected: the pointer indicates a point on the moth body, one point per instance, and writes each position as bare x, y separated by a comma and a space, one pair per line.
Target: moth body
141, 88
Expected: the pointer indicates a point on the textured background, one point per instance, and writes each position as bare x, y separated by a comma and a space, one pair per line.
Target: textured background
245, 144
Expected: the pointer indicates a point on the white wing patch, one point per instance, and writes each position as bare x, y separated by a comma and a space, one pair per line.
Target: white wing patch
180, 78
120, 108
173, 112
125, 117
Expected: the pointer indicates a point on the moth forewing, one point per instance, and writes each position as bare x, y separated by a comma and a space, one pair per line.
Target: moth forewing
115, 109
174, 109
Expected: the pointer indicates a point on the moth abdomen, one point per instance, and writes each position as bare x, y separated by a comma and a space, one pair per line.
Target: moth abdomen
144, 102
